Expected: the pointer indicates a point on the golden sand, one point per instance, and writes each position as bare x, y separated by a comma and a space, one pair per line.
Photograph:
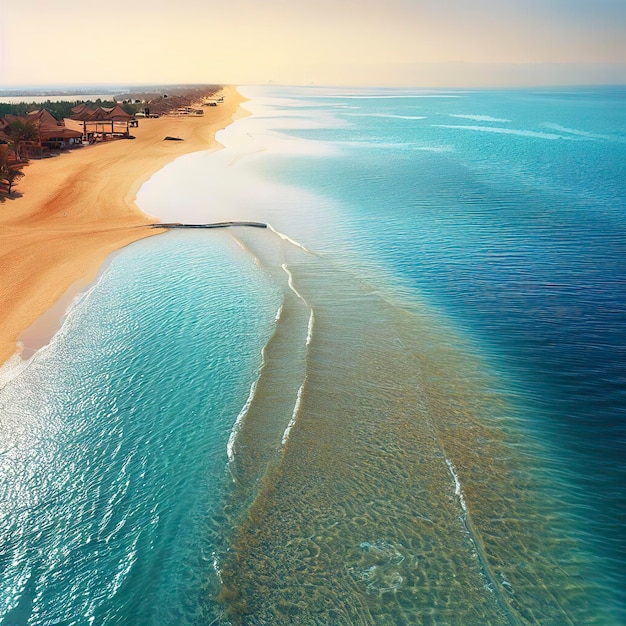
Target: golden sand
73, 210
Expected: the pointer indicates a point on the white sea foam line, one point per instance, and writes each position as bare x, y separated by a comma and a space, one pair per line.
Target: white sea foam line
487, 572
289, 239
439, 149
279, 313
388, 115
309, 337
504, 131
309, 333
230, 447
480, 118
237, 425
294, 415
291, 285
573, 131
394, 146
457, 484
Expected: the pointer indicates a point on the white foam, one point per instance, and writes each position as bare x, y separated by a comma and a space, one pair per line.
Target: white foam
434, 148
294, 415
284, 237
578, 133
11, 369
481, 118
216, 567
237, 425
309, 338
16, 365
290, 283
395, 145
230, 446
503, 131
279, 313
309, 334
457, 485
388, 115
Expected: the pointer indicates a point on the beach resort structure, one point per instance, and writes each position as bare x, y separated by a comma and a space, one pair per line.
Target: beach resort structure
97, 124
51, 134
102, 122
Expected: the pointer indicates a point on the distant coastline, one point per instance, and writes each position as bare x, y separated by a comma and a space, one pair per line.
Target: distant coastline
40, 99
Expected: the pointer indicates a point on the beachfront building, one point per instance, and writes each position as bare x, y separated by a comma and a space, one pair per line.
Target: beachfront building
51, 134
102, 123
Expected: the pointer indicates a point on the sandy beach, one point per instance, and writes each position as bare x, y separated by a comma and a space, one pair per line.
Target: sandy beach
73, 210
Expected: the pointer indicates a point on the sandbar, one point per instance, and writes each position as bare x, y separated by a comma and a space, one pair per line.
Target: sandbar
72, 211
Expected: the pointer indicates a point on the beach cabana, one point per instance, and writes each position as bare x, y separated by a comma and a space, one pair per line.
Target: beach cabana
80, 110
117, 115
100, 114
98, 120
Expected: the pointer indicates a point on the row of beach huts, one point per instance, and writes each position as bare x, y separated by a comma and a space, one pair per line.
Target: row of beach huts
41, 133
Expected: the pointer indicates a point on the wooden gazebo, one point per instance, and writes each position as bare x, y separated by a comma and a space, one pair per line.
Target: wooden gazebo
99, 120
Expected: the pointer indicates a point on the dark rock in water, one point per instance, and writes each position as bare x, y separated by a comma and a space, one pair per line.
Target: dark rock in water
168, 138
177, 225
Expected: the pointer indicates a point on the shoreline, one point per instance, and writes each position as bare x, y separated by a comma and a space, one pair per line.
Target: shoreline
78, 208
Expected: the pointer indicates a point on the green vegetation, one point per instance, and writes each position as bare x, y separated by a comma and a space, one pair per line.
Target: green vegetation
9, 174
60, 110
19, 132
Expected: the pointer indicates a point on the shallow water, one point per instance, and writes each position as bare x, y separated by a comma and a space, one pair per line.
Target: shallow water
400, 496
114, 437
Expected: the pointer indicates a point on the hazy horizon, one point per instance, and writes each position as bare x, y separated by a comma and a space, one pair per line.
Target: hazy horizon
418, 43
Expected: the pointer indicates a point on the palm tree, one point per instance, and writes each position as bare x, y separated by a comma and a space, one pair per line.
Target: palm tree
10, 175
19, 132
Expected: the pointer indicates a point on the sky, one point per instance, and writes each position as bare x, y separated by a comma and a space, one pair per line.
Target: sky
324, 42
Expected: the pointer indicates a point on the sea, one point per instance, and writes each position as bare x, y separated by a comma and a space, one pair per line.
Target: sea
402, 402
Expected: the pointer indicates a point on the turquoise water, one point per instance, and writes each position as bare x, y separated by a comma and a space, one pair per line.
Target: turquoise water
114, 438
403, 404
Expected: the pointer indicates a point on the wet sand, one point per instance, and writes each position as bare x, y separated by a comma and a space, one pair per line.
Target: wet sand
72, 211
